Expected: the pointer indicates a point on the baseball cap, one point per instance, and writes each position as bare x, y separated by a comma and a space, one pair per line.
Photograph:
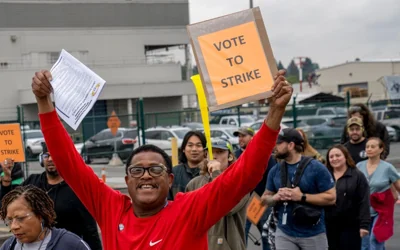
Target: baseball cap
290, 135
355, 121
222, 143
244, 131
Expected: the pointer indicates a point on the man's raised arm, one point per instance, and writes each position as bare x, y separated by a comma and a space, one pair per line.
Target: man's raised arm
216, 199
93, 193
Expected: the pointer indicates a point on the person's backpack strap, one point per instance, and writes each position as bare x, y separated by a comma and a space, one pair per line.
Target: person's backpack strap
300, 170
285, 182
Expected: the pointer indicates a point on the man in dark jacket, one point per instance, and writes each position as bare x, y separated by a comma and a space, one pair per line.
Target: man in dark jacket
71, 213
192, 153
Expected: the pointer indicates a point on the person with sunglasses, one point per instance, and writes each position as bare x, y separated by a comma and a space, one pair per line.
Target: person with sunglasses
29, 213
221, 236
71, 213
146, 219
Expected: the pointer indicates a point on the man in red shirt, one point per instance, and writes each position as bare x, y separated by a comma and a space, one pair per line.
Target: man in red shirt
146, 220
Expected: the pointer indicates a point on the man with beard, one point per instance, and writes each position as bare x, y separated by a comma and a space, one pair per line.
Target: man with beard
71, 213
245, 135
356, 145
192, 153
299, 207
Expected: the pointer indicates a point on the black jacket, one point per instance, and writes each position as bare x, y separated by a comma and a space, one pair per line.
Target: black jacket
61, 239
182, 175
71, 213
352, 201
380, 132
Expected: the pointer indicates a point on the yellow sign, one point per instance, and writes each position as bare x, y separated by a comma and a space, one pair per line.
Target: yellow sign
11, 145
255, 209
235, 58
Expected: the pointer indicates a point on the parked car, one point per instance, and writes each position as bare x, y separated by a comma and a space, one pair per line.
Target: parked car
393, 135
257, 125
323, 132
225, 132
232, 120
331, 112
103, 143
33, 142
389, 116
193, 125
161, 137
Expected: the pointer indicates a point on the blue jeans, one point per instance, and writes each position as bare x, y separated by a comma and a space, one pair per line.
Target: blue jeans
369, 242
260, 224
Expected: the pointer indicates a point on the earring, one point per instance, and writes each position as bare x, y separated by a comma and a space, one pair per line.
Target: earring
230, 158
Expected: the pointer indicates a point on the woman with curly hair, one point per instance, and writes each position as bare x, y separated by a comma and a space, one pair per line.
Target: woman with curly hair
309, 150
29, 213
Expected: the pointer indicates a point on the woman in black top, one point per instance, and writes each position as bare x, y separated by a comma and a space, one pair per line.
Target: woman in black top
348, 221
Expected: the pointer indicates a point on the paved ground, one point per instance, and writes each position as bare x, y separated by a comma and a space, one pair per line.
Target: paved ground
115, 178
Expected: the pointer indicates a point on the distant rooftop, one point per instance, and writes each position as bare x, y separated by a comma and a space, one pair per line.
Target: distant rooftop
383, 60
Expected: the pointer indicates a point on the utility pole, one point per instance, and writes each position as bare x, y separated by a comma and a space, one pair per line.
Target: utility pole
300, 63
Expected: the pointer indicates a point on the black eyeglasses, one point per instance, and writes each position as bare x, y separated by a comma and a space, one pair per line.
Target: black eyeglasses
137, 171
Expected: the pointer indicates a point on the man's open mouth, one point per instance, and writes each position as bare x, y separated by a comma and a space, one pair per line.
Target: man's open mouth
147, 186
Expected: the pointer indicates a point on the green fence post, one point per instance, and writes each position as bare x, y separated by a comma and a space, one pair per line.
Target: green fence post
294, 112
348, 99
20, 116
142, 119
238, 110
138, 122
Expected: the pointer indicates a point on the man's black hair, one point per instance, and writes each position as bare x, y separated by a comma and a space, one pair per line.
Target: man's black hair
200, 135
150, 148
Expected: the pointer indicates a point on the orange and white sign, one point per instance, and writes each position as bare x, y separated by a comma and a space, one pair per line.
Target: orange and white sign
235, 58
255, 209
11, 145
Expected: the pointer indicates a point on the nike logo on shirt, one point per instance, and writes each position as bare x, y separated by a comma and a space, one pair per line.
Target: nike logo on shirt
155, 243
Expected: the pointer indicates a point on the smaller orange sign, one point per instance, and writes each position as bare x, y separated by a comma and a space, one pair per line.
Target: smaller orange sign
255, 209
113, 123
11, 145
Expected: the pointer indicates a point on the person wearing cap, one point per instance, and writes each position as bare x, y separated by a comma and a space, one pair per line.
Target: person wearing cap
245, 135
357, 143
71, 214
315, 190
221, 236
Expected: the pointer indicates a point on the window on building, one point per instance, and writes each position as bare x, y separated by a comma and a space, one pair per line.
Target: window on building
355, 89
52, 57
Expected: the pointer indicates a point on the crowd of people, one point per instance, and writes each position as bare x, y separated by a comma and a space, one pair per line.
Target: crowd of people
342, 201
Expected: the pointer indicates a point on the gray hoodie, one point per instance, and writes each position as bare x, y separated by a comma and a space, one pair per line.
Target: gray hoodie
61, 239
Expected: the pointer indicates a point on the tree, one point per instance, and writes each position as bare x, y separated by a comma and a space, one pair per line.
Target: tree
307, 67
292, 69
280, 66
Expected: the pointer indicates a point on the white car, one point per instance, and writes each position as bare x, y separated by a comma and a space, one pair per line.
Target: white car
161, 137
232, 120
392, 133
33, 142
226, 133
257, 125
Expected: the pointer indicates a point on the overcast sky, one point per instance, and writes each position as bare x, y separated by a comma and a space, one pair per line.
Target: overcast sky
329, 32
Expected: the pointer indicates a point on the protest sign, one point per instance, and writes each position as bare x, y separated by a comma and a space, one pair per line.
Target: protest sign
255, 209
11, 145
234, 58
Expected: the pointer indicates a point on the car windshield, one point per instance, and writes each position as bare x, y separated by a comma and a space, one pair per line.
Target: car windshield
181, 133
246, 120
341, 111
33, 135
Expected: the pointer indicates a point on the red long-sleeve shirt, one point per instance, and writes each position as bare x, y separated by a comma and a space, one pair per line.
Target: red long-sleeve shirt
183, 223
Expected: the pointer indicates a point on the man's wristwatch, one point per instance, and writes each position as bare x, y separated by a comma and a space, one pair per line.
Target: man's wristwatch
303, 197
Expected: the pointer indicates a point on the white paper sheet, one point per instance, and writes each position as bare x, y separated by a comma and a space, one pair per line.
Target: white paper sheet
76, 88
